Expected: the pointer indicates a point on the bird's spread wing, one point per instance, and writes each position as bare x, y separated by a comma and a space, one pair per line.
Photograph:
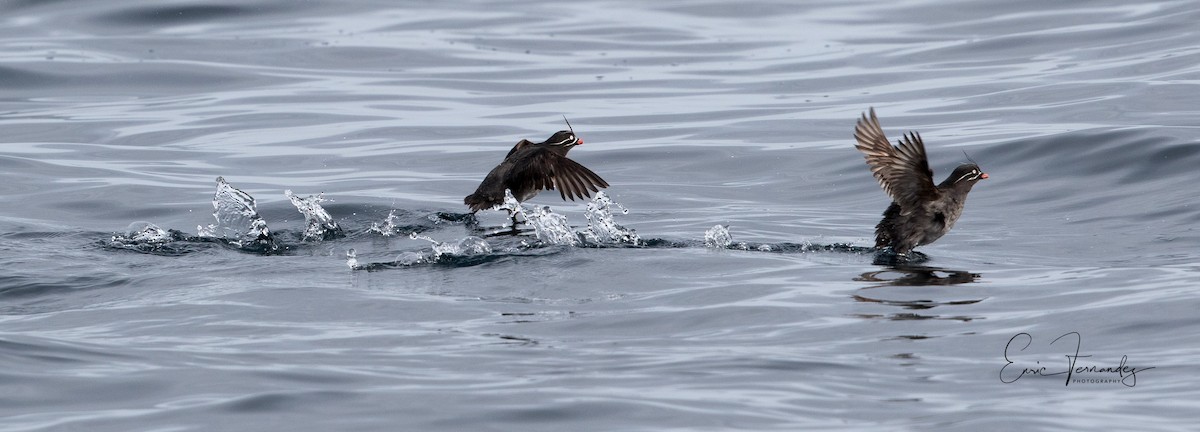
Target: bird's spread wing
545, 170
902, 170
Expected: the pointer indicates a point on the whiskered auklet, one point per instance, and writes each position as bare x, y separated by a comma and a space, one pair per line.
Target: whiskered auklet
920, 212
531, 167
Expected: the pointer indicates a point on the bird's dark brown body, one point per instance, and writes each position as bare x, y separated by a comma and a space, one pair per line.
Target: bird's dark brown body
531, 167
920, 212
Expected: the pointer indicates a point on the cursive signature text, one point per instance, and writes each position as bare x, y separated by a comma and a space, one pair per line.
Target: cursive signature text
1074, 372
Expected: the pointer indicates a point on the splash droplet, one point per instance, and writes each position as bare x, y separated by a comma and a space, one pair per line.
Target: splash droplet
601, 226
551, 228
318, 224
466, 246
718, 237
145, 232
389, 225
237, 218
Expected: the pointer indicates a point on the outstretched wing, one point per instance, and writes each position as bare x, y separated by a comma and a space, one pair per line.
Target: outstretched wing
544, 170
902, 170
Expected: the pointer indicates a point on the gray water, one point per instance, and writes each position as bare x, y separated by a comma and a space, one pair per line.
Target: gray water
699, 114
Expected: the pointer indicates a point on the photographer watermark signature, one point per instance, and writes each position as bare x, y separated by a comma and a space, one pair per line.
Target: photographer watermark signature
1074, 372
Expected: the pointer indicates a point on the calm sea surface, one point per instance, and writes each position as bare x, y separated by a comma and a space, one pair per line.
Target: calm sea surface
1066, 297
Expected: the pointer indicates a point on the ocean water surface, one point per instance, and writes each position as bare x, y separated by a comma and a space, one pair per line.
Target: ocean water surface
722, 282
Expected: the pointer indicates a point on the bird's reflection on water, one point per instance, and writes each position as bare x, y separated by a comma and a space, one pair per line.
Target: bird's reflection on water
917, 275
887, 288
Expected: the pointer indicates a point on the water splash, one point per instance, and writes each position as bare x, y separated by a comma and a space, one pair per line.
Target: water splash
409, 258
551, 228
237, 219
466, 246
511, 205
352, 258
146, 237
319, 225
142, 233
554, 229
470, 246
143, 237
718, 237
388, 228
601, 226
